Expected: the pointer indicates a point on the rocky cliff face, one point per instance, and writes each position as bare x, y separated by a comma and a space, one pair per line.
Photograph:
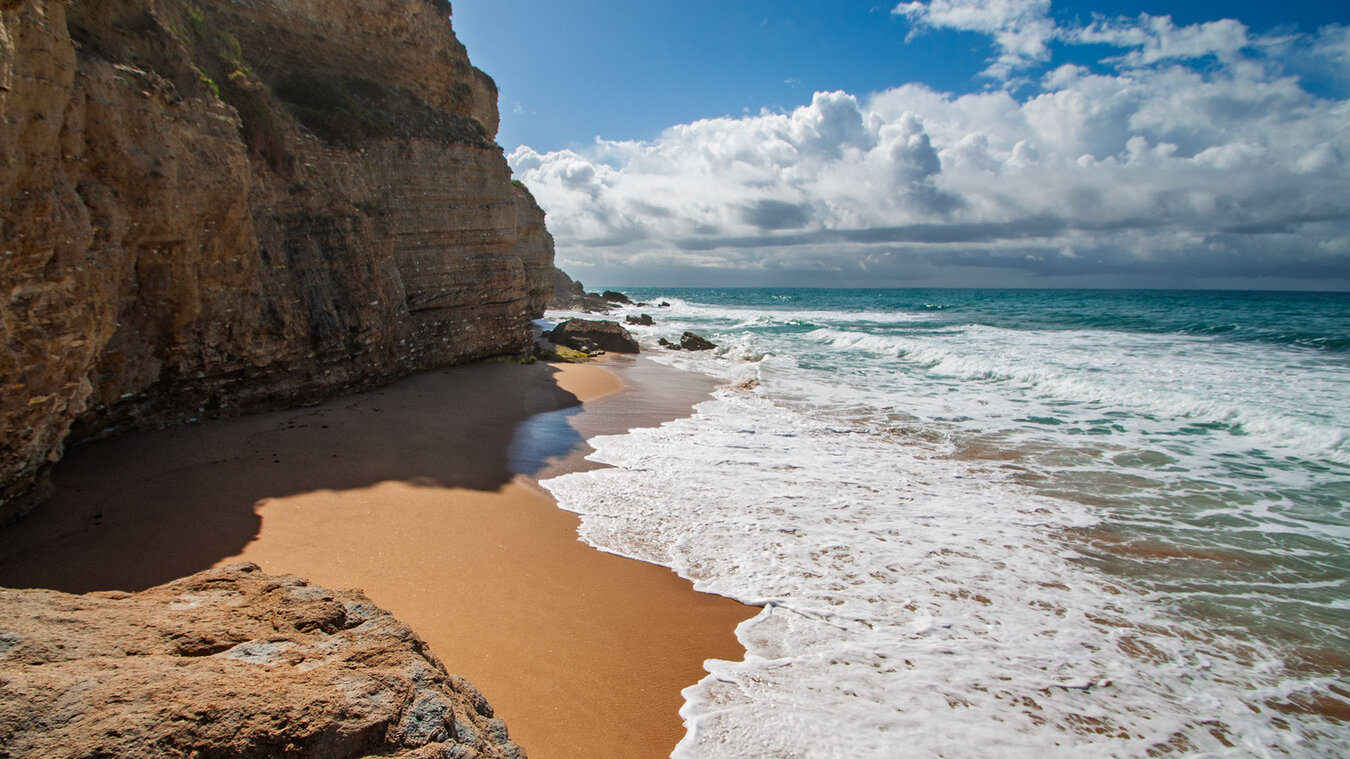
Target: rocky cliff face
215, 206
229, 663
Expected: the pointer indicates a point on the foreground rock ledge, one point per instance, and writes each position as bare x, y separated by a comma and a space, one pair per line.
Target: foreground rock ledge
229, 663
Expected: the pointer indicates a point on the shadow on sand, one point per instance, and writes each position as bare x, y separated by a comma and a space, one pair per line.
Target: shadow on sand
145, 508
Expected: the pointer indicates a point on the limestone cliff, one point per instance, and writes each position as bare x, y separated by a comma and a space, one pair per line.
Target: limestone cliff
215, 206
229, 663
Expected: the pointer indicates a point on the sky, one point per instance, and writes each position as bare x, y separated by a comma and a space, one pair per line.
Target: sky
948, 143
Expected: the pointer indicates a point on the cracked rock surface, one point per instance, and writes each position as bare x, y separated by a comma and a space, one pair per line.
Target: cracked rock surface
230, 662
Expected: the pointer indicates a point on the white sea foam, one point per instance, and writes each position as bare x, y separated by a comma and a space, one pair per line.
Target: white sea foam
901, 499
747, 316
1189, 378
912, 603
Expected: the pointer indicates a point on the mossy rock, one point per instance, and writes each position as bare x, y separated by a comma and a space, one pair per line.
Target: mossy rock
563, 354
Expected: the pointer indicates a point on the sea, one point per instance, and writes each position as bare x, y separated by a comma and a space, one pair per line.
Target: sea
1002, 523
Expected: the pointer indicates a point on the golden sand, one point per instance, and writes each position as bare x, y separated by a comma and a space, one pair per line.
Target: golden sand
406, 493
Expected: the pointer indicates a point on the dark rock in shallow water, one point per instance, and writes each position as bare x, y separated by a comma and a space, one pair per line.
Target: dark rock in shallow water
594, 334
644, 320
614, 297
688, 342
691, 342
229, 662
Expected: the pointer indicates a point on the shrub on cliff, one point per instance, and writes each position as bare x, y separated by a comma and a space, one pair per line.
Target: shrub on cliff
330, 110
220, 59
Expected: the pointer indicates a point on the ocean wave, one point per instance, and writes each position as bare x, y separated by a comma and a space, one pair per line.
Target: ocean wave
912, 600
1008, 534
1148, 375
742, 317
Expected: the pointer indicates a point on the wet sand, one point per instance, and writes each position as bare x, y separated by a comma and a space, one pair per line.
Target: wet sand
424, 494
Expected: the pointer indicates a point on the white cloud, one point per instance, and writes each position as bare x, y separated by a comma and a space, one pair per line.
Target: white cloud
1156, 38
1332, 50
1154, 171
1333, 43
1022, 29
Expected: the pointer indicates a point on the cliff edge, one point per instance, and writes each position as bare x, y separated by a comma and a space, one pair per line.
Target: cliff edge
229, 663
216, 206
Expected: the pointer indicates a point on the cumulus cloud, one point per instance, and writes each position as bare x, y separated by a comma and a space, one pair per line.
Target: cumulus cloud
1022, 31
1157, 172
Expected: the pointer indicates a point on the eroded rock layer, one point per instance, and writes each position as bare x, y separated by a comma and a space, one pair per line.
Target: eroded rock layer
229, 663
215, 206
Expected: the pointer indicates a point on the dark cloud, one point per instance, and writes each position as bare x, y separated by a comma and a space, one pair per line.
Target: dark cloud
914, 233
776, 214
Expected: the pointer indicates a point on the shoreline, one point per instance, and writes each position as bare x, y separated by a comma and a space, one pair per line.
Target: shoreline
434, 510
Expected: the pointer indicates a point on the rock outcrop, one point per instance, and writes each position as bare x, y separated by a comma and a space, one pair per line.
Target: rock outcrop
593, 335
570, 295
216, 206
229, 663
566, 291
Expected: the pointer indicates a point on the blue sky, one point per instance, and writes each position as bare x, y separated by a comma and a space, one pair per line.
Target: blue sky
942, 142
571, 72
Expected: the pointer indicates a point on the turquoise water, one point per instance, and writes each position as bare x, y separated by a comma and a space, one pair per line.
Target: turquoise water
1106, 520
1320, 321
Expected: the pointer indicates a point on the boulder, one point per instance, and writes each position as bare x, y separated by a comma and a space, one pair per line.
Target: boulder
615, 297
645, 320
691, 342
594, 334
229, 662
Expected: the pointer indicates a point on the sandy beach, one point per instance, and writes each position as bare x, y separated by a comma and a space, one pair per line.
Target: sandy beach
423, 494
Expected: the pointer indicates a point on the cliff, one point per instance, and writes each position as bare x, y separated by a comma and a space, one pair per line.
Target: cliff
229, 663
216, 206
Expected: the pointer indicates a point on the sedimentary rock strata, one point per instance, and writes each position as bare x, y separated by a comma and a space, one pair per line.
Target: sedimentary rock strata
229, 663
214, 206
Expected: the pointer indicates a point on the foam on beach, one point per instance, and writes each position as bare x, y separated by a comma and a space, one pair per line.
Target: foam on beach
973, 541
